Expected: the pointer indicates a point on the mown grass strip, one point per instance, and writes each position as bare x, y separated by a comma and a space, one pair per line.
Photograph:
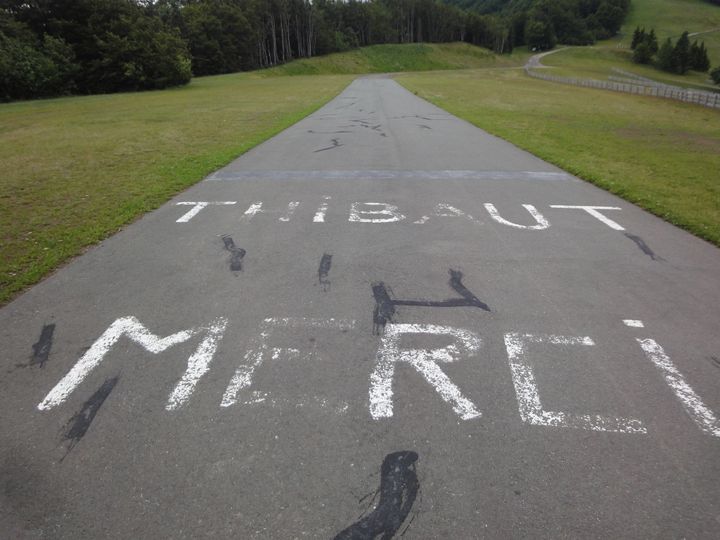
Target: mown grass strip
660, 154
75, 170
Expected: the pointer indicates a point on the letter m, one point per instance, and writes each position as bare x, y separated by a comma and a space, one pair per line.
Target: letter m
198, 363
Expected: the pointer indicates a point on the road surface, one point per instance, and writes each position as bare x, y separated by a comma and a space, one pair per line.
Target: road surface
383, 321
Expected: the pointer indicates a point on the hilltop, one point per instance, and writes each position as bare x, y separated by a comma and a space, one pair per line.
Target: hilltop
398, 57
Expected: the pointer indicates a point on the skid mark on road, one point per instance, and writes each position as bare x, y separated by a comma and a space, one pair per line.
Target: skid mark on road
399, 487
335, 144
327, 132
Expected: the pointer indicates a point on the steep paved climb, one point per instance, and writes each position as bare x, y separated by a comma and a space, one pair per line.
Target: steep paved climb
383, 321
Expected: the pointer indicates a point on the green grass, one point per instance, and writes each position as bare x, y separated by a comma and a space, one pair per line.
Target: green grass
75, 170
396, 58
660, 154
669, 18
597, 63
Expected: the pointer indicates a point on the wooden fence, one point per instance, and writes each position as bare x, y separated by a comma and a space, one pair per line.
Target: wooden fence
698, 97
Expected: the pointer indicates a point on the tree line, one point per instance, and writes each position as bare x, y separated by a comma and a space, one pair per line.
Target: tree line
678, 58
58, 47
541, 24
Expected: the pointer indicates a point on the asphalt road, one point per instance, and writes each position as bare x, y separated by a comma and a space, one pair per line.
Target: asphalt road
383, 321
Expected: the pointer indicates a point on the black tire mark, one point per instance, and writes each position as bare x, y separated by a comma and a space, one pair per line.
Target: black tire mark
398, 490
366, 124
80, 423
324, 270
335, 144
236, 253
644, 247
345, 106
41, 349
385, 306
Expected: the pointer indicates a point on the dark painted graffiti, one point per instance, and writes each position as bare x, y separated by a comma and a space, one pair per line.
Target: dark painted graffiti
41, 349
385, 305
324, 270
399, 487
78, 425
335, 144
236, 253
640, 243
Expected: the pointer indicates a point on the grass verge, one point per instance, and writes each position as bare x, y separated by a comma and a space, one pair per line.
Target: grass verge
396, 58
75, 170
660, 154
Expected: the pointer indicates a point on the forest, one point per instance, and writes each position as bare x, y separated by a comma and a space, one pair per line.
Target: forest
60, 47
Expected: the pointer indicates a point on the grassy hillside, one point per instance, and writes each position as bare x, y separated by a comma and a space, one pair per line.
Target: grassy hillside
663, 155
74, 170
671, 18
598, 62
395, 58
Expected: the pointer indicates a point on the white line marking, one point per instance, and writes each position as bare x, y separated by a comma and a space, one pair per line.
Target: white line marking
263, 398
528, 396
257, 208
593, 211
694, 406
425, 362
198, 365
389, 210
135, 331
542, 223
259, 348
290, 211
253, 209
197, 206
446, 210
321, 211
634, 323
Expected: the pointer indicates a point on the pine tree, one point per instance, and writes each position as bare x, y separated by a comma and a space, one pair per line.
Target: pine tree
715, 75
636, 38
651, 40
665, 57
699, 60
682, 54
704, 60
642, 54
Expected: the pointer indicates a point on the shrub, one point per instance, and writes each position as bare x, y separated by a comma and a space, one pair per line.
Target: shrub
715, 75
